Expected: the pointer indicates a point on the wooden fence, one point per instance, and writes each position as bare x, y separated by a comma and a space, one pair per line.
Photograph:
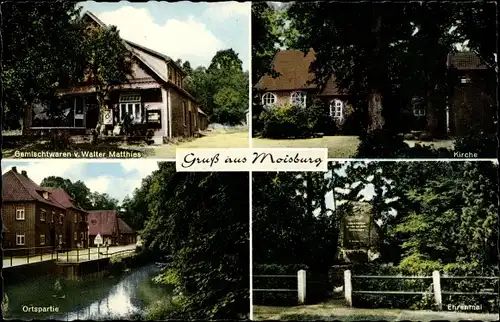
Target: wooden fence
437, 292
301, 285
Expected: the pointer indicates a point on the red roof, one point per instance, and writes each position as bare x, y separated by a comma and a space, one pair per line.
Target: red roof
19, 187
103, 222
62, 197
124, 228
294, 74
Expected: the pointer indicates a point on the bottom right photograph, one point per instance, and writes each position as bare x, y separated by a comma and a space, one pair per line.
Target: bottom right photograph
377, 240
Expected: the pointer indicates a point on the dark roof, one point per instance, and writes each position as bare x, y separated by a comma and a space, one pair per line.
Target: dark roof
124, 228
64, 198
136, 49
19, 187
103, 222
294, 74
465, 61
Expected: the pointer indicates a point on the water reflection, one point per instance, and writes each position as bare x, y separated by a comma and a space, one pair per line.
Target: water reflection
118, 298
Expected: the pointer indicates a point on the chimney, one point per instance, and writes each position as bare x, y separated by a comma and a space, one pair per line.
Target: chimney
14, 169
24, 173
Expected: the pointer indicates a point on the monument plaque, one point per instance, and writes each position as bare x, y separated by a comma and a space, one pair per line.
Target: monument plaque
359, 232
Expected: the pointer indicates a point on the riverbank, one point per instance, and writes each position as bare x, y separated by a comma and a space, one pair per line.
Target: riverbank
333, 311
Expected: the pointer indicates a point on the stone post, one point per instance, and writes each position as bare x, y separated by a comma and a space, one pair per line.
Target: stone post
436, 282
301, 286
348, 287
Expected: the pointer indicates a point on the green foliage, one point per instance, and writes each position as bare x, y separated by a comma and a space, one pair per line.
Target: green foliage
200, 223
40, 52
222, 89
285, 121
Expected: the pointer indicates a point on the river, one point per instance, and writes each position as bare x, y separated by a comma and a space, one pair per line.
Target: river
122, 297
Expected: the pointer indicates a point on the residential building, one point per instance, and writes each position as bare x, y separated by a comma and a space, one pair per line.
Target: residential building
32, 215
105, 224
76, 219
154, 96
127, 234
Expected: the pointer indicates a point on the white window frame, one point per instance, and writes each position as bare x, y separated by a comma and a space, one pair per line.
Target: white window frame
75, 218
337, 108
45, 195
20, 213
129, 102
42, 239
303, 99
53, 215
43, 214
61, 218
60, 239
20, 239
267, 97
75, 235
418, 111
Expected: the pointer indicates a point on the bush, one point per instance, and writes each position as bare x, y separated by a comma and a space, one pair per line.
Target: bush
484, 145
285, 122
381, 144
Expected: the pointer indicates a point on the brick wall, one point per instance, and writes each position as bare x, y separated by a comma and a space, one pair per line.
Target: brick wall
26, 227
183, 112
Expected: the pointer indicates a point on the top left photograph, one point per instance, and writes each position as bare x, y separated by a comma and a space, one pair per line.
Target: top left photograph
122, 79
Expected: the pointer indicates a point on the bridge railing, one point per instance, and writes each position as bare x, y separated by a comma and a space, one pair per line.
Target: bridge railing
19, 256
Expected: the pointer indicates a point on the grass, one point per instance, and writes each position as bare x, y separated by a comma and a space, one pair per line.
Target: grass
335, 310
338, 146
234, 137
224, 139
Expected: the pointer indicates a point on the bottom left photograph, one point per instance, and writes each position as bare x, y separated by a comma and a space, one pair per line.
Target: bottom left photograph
123, 240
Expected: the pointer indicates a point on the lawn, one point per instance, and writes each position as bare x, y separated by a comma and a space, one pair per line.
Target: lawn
216, 138
338, 146
211, 140
330, 311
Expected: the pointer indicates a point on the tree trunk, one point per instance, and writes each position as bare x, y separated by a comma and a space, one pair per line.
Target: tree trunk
375, 117
27, 120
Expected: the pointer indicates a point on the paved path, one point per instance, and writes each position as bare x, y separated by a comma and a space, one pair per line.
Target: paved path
333, 311
72, 256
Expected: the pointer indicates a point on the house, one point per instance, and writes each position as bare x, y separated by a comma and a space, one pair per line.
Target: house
76, 219
33, 216
154, 96
104, 223
471, 100
127, 234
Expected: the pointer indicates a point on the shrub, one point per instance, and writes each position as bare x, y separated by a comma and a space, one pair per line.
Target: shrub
285, 121
484, 145
381, 144
319, 121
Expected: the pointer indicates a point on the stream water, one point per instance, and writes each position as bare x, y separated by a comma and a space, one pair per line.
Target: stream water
122, 297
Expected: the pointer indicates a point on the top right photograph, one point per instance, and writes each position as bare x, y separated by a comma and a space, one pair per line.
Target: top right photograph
376, 80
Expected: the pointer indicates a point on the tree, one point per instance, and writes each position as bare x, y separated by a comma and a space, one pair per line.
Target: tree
379, 53
264, 39
108, 64
200, 222
40, 53
81, 194
222, 89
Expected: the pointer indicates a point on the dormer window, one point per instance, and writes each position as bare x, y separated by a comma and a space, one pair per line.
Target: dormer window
298, 99
45, 195
336, 108
268, 99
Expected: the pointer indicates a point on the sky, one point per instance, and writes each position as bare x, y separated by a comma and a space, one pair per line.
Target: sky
117, 178
182, 30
